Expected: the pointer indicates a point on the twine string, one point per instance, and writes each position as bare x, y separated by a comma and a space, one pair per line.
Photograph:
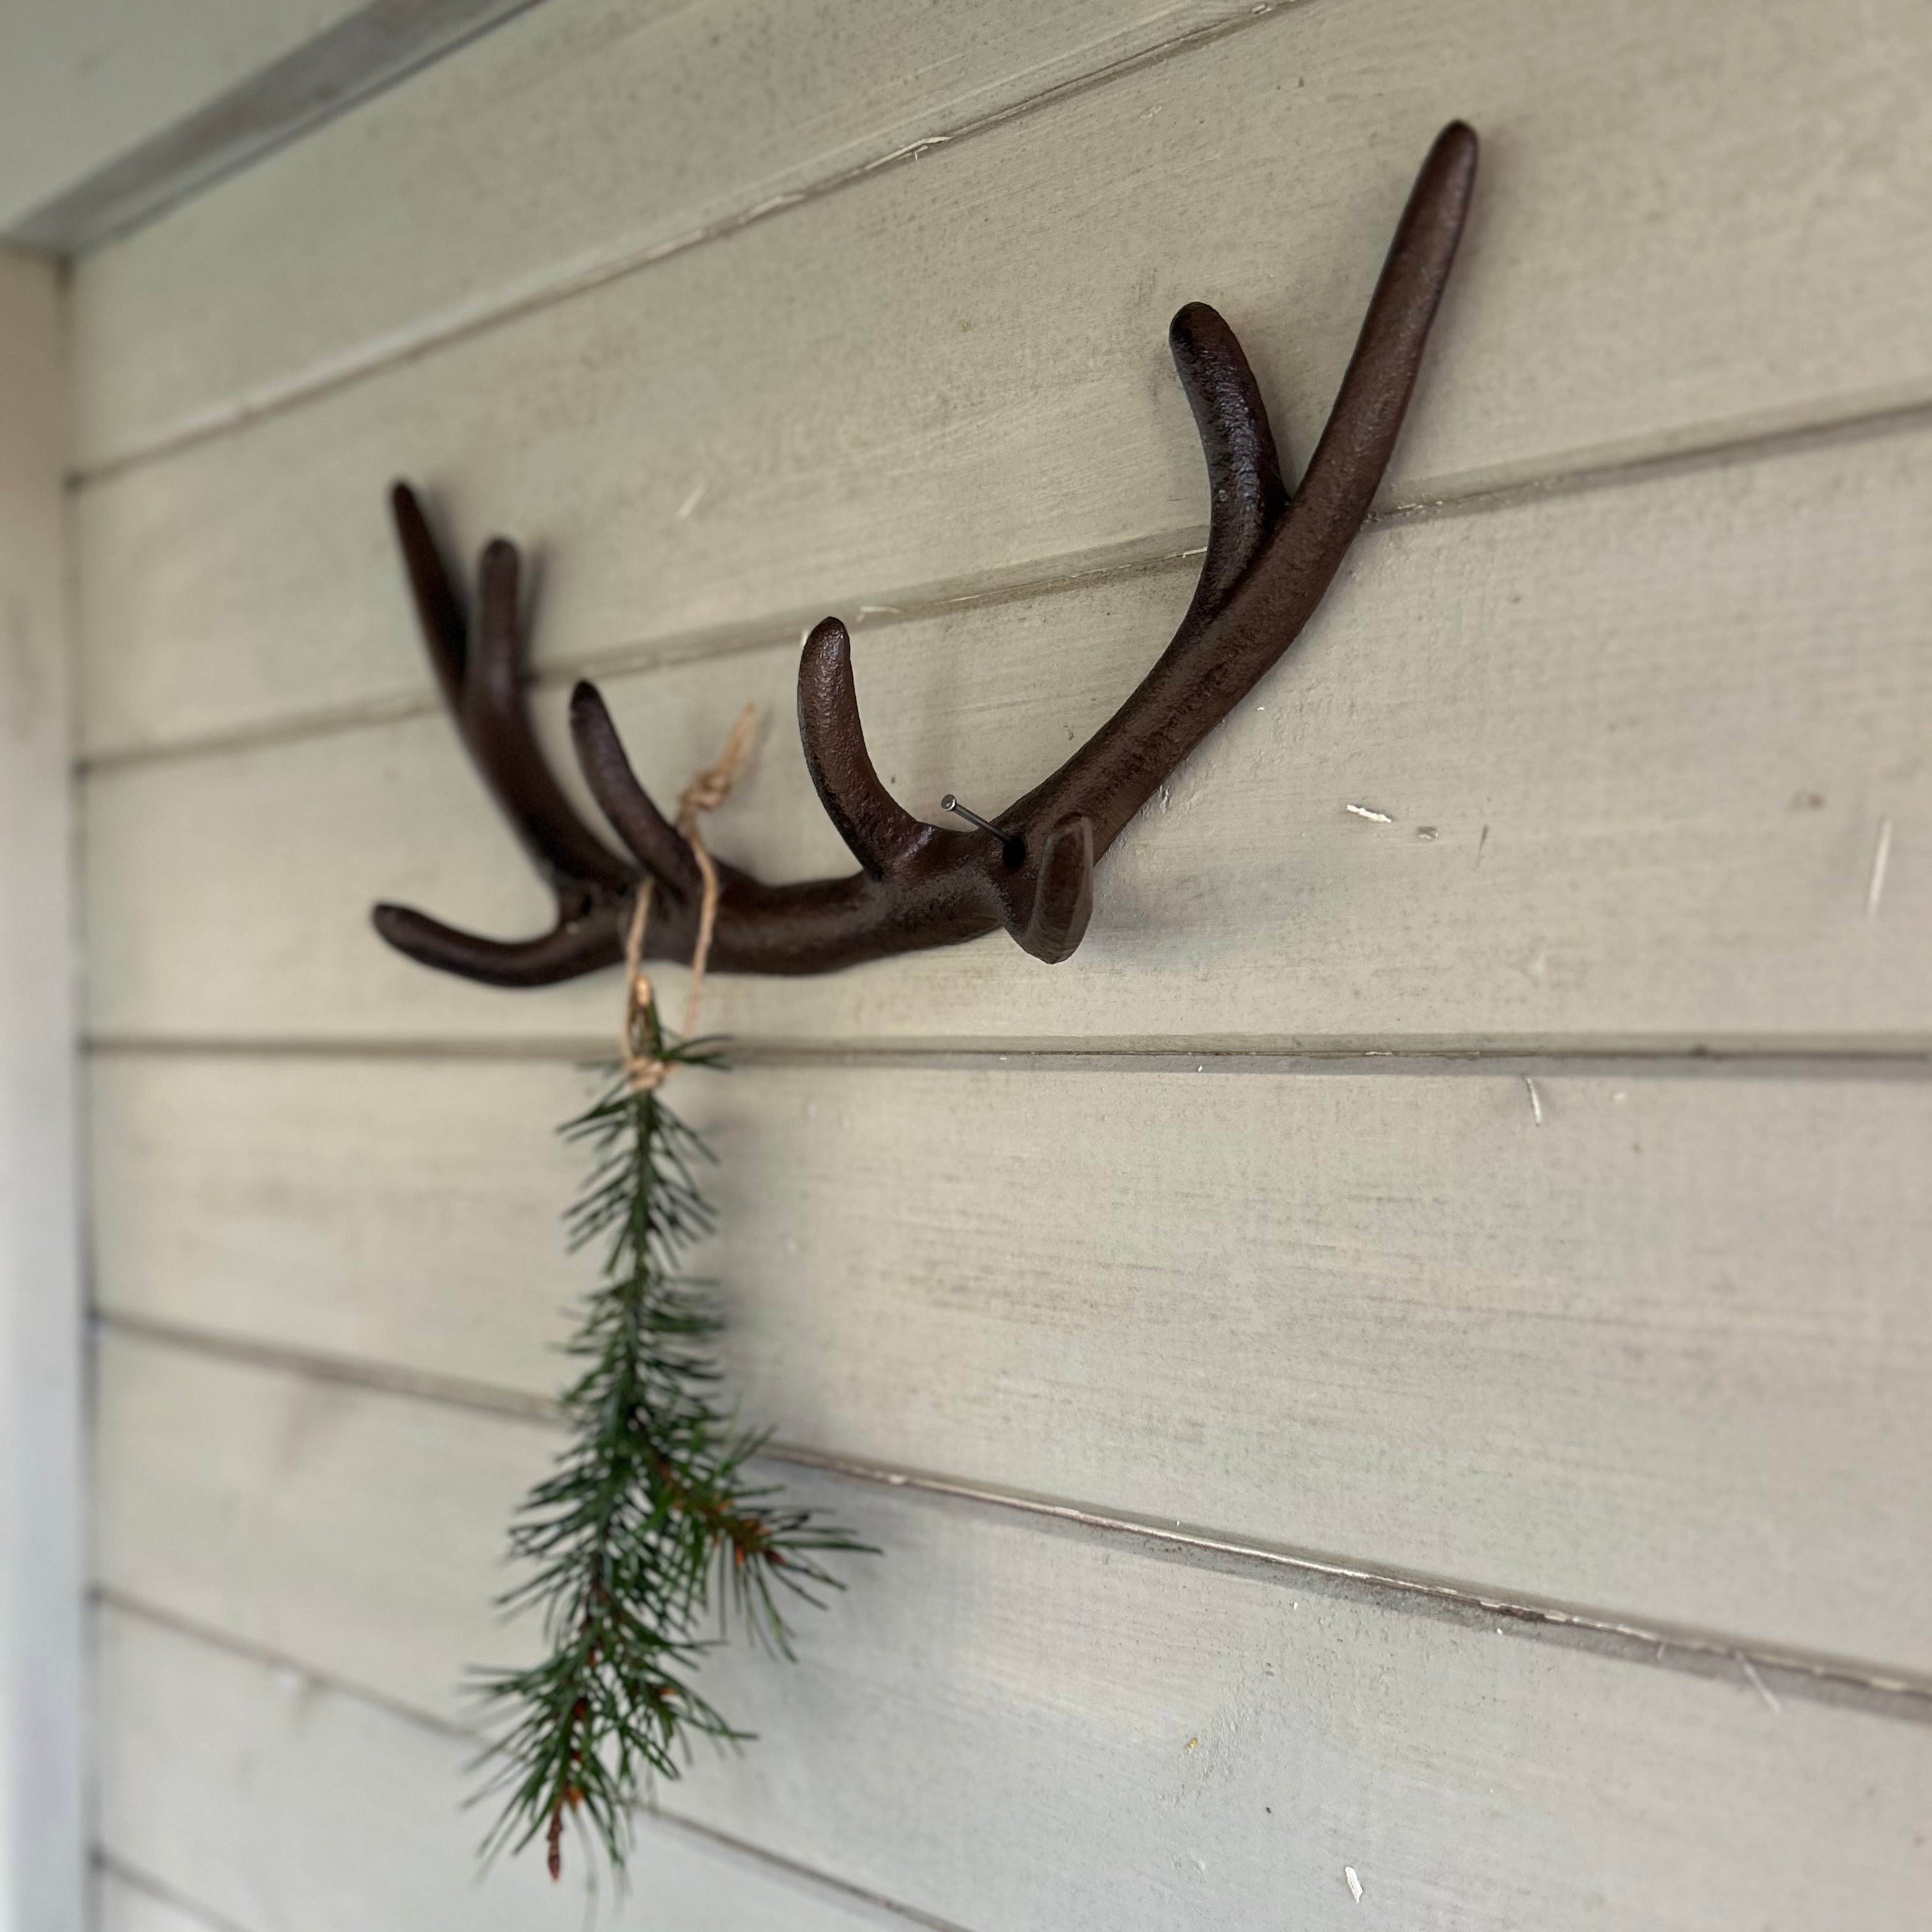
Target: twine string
644, 1072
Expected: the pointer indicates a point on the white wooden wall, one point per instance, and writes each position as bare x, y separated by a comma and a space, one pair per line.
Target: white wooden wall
42, 1835
1411, 1352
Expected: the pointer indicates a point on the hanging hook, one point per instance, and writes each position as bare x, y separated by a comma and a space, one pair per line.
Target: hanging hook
1012, 846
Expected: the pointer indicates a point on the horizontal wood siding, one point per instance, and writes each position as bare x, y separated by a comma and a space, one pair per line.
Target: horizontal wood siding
1408, 1353
1344, 1312
351, 1814
572, 145
1637, 748
1472, 1777
957, 370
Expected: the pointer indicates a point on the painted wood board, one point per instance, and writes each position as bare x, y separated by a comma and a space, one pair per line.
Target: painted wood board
1662, 1355
288, 1805
556, 152
955, 373
1003, 1725
1632, 755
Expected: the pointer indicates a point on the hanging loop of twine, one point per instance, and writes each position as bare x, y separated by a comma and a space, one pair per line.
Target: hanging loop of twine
644, 1071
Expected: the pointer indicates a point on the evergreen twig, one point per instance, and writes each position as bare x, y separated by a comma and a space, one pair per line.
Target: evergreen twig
649, 1519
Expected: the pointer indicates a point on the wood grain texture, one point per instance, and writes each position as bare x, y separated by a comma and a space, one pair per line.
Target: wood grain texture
556, 152
1636, 747
1177, 1746
956, 370
1388, 1317
288, 1806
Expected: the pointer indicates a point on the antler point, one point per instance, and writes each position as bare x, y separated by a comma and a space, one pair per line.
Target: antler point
1189, 315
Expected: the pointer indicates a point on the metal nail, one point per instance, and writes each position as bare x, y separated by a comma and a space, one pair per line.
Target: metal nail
949, 803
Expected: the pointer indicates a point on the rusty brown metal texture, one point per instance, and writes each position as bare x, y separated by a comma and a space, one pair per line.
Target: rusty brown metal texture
1270, 556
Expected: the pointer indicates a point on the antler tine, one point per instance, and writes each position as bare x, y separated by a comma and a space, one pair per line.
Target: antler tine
1245, 493
878, 831
497, 721
1346, 469
570, 949
483, 685
659, 847
484, 690
1220, 654
445, 634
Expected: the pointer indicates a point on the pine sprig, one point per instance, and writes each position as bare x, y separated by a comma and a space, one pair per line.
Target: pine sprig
648, 1524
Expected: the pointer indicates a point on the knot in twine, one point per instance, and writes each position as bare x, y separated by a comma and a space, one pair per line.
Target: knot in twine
644, 1072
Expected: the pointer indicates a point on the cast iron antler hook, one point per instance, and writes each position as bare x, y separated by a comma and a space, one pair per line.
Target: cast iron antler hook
1269, 560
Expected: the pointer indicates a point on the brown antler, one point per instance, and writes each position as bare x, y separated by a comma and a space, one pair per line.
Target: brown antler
1269, 560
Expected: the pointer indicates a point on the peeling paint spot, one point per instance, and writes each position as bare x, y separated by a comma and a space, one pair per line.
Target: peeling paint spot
1758, 1684
1881, 859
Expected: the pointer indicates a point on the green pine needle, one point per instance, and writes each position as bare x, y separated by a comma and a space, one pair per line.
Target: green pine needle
648, 1523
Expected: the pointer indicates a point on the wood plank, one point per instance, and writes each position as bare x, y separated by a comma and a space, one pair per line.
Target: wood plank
1663, 1355
287, 1804
1004, 1726
958, 370
1638, 747
554, 153
43, 1798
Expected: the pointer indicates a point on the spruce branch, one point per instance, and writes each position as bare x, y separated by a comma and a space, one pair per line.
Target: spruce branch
649, 1522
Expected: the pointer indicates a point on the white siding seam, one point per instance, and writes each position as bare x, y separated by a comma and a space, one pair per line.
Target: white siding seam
1754, 1667
1170, 552
756, 202
119, 1869
124, 1604
874, 612
1781, 1056
313, 1365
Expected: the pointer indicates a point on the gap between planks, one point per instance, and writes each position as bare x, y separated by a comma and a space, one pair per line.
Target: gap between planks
124, 1604
1552, 1057
548, 288
1758, 1671
1172, 552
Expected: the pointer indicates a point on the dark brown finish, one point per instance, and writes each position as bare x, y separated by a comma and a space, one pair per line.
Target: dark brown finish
1269, 560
